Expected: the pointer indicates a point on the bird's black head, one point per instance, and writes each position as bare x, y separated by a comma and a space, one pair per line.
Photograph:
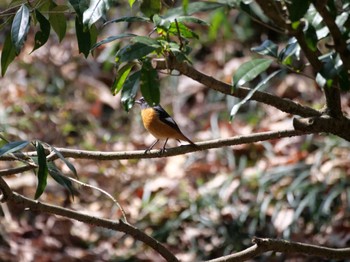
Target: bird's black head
142, 102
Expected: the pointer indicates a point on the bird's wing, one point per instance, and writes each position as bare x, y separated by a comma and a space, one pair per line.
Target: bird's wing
166, 118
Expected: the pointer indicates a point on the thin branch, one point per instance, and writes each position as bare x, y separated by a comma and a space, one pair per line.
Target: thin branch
282, 104
263, 245
17, 199
140, 154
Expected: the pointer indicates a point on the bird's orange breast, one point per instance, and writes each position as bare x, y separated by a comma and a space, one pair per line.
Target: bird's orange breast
158, 128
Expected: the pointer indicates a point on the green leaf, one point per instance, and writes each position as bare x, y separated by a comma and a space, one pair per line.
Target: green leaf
111, 39
249, 70
311, 38
194, 8
8, 54
96, 10
41, 36
184, 31
13, 147
290, 52
150, 83
20, 27
134, 51
297, 9
42, 171
68, 164
150, 7
192, 19
79, 6
83, 37
57, 175
266, 48
131, 2
121, 77
129, 19
58, 20
261, 85
129, 91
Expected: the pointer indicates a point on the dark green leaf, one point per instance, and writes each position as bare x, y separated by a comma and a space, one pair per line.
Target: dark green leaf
41, 36
147, 41
311, 38
20, 27
290, 52
150, 83
266, 48
83, 37
129, 19
191, 19
96, 10
111, 39
261, 85
68, 164
249, 70
150, 7
134, 51
42, 170
13, 147
297, 9
121, 77
58, 20
8, 54
129, 90
79, 6
181, 29
57, 175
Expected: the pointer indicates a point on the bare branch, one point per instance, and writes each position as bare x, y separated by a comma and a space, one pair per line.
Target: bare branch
262, 245
17, 199
282, 104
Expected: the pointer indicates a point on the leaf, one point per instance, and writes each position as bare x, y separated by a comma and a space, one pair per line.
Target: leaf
8, 54
131, 2
129, 90
261, 85
134, 51
57, 175
297, 9
289, 52
58, 21
121, 77
96, 10
266, 48
150, 83
41, 36
42, 171
111, 39
20, 27
129, 19
311, 38
79, 6
150, 7
194, 8
192, 19
83, 37
13, 147
68, 164
249, 70
182, 29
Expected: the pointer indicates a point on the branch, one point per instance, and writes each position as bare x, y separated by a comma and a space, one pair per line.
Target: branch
282, 104
17, 199
140, 154
262, 245
339, 42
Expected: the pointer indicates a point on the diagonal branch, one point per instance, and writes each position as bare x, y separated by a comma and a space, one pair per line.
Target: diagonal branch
263, 245
17, 199
282, 104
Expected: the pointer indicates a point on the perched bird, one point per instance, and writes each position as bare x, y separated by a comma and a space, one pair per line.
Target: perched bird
160, 124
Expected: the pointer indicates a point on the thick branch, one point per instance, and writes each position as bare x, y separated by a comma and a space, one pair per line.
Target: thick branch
282, 104
25, 202
262, 245
217, 143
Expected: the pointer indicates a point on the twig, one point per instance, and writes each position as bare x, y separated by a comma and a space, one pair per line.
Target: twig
17, 199
140, 154
262, 245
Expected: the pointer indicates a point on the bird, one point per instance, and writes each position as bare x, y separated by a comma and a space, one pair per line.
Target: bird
160, 124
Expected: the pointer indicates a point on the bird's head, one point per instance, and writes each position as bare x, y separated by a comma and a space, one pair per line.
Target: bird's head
142, 102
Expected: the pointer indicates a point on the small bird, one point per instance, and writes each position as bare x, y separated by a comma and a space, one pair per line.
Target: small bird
160, 124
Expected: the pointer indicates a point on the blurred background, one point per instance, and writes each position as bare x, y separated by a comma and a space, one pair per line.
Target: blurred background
201, 205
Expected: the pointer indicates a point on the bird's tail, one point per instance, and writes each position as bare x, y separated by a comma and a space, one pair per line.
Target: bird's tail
185, 138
